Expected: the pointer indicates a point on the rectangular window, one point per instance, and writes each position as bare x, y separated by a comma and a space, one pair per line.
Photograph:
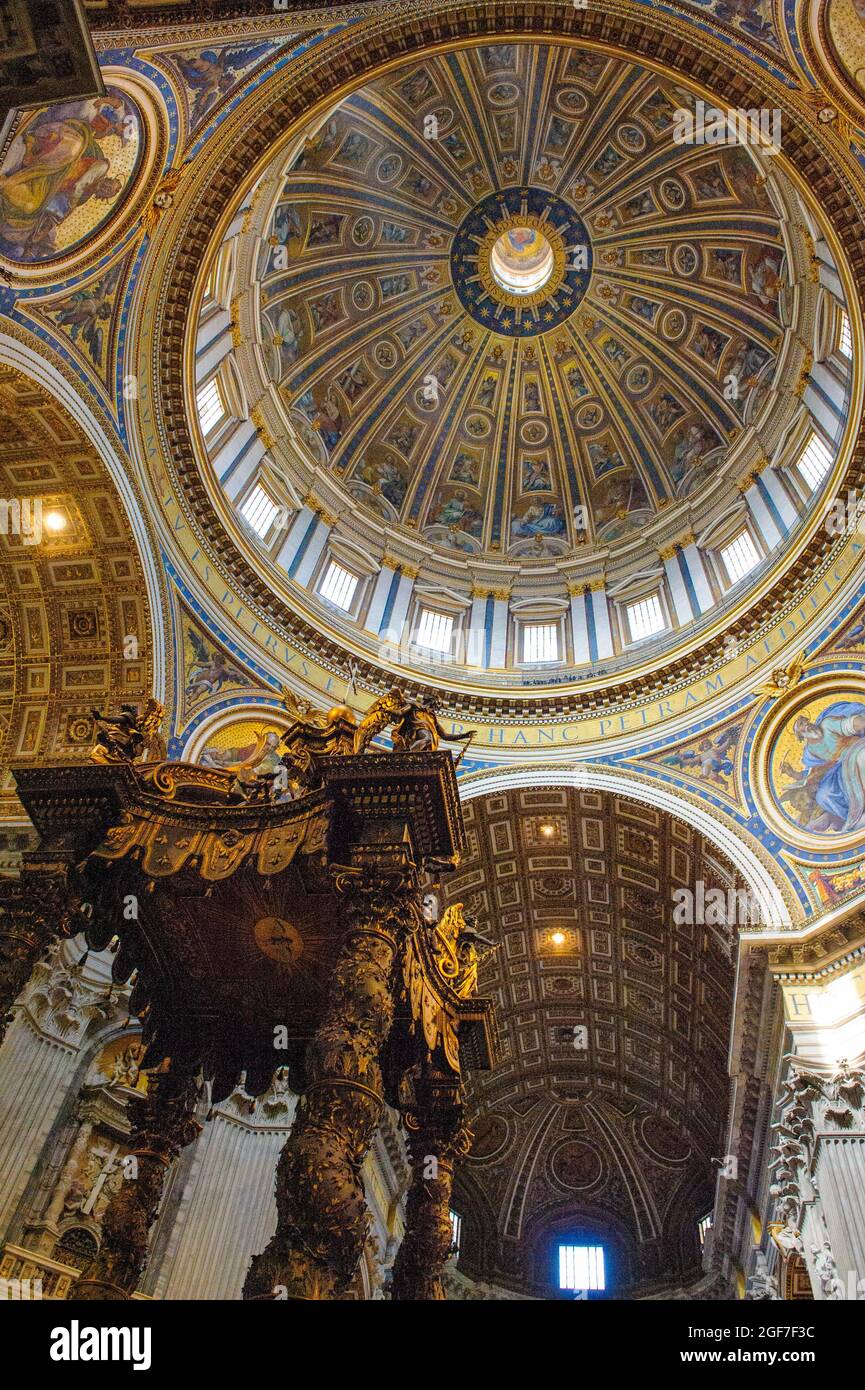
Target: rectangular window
740, 557
646, 617
845, 337
259, 510
704, 1226
581, 1267
540, 642
338, 586
456, 1230
210, 407
435, 630
815, 462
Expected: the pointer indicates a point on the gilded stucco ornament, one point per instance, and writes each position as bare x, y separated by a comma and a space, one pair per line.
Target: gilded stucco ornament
162, 200
784, 679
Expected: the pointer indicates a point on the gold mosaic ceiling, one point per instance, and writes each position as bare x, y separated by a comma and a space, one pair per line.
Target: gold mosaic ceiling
482, 421
608, 1104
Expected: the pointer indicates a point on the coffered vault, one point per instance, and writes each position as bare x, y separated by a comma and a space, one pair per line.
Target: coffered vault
610, 1099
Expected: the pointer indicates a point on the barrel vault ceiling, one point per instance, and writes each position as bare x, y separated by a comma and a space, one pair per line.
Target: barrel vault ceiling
614, 1128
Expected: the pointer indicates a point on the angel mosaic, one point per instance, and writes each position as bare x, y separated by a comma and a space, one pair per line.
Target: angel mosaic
210, 73
209, 669
86, 313
711, 760
752, 17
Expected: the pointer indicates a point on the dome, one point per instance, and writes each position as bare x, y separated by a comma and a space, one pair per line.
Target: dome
515, 333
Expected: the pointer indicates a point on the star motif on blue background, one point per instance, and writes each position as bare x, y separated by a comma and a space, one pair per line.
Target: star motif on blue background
566, 294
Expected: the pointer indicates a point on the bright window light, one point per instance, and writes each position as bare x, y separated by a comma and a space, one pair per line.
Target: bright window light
845, 337
815, 462
645, 618
704, 1226
435, 630
581, 1267
210, 407
456, 1230
740, 556
338, 586
258, 511
540, 642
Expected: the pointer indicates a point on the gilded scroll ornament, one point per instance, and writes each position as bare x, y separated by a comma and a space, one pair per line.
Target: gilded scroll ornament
458, 951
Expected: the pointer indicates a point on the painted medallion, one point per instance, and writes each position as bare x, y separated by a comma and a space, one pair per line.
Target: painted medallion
66, 172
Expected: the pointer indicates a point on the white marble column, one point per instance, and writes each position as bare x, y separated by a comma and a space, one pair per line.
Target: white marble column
227, 1212
40, 1055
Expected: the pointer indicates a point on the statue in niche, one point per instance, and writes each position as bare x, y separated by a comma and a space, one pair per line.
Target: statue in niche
126, 1066
98, 1177
762, 1286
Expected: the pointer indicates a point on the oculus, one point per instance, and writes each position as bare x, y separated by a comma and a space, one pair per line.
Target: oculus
521, 261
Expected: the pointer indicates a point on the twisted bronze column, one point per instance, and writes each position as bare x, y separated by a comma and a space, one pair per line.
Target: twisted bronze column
437, 1136
323, 1218
162, 1124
